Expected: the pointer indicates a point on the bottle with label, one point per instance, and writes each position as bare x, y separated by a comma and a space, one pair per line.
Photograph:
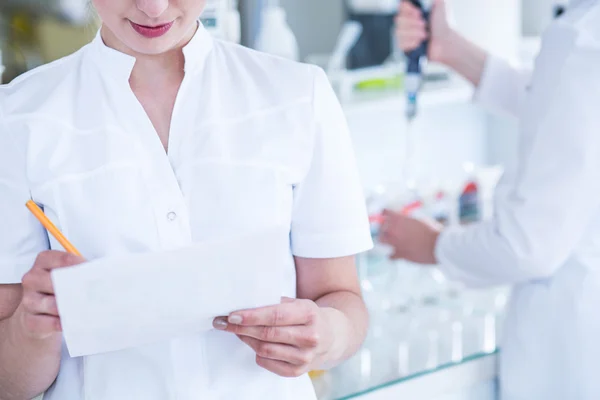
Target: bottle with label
469, 204
214, 18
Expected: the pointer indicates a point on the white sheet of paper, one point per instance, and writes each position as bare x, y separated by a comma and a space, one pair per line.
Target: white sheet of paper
116, 303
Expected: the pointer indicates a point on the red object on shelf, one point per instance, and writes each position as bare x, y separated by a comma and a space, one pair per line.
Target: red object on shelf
410, 208
470, 188
406, 210
376, 219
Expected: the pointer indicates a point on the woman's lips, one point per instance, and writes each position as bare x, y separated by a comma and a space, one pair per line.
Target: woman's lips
151, 32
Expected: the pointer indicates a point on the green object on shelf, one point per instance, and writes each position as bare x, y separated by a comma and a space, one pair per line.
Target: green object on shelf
393, 82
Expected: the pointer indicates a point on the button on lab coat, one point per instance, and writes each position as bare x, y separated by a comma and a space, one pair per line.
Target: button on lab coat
545, 235
256, 142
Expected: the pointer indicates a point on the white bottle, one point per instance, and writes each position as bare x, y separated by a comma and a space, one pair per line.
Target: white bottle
276, 36
233, 23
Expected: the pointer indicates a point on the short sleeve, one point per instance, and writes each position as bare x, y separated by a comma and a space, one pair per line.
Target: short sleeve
329, 217
22, 238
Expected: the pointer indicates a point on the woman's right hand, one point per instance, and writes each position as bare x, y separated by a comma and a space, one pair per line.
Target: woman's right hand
411, 30
38, 309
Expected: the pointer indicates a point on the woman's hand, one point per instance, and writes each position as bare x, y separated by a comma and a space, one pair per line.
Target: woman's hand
411, 30
38, 310
289, 339
446, 45
412, 240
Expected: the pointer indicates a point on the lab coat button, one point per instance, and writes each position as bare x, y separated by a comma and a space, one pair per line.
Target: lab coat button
172, 216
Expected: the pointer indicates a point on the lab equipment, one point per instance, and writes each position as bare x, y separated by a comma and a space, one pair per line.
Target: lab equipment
275, 35
233, 22
469, 204
222, 19
405, 344
392, 82
214, 16
347, 38
414, 65
476, 199
374, 45
440, 207
558, 10
373, 6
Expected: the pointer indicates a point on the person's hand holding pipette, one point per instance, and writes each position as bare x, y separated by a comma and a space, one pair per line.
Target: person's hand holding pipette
446, 45
411, 30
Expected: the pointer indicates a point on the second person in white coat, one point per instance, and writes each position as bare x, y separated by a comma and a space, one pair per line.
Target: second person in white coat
545, 235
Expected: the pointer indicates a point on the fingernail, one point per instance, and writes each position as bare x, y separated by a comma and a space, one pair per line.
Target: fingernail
235, 319
220, 324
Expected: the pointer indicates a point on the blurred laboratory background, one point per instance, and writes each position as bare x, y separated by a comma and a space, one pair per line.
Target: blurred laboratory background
430, 339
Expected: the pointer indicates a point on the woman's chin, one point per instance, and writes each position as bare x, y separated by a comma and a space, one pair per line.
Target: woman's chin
152, 46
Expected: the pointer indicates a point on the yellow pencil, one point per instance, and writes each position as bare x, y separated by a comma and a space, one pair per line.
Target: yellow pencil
50, 227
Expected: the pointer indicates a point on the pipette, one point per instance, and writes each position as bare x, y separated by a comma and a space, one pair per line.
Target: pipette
415, 61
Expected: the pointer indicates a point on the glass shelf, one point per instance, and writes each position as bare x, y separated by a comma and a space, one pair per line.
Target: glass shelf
420, 325
344, 394
346, 382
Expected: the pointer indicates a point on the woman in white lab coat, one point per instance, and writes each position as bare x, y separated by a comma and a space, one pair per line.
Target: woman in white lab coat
545, 235
156, 136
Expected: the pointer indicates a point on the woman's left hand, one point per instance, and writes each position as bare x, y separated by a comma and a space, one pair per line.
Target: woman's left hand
290, 339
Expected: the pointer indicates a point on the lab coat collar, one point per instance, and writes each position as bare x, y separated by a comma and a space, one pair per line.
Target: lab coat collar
120, 65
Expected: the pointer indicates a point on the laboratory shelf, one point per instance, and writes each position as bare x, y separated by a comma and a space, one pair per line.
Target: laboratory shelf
436, 341
452, 91
475, 374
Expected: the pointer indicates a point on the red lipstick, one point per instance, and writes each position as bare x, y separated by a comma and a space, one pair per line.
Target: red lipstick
151, 32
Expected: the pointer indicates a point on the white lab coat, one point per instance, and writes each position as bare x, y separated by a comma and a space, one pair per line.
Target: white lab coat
256, 142
545, 235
